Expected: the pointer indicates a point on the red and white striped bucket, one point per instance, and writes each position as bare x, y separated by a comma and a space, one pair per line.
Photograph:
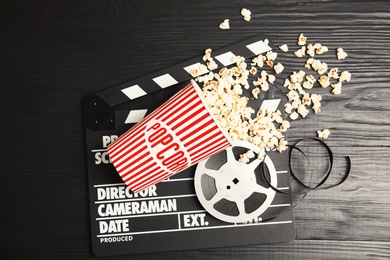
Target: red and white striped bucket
177, 135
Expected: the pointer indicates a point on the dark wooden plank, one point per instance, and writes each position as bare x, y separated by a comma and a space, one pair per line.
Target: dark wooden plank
299, 249
52, 54
302, 249
354, 209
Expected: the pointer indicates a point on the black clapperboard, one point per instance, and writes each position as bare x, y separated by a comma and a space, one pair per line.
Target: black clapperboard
168, 216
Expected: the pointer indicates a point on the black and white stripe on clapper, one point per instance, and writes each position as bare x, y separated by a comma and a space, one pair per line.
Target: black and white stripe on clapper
95, 119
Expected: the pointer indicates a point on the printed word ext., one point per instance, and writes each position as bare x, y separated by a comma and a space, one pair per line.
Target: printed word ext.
195, 220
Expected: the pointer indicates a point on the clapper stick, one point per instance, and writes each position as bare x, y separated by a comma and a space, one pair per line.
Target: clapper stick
98, 108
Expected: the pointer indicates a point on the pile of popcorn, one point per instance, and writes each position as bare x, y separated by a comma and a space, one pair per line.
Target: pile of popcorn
222, 92
223, 89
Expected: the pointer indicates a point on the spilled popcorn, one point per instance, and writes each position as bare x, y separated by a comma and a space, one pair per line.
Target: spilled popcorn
341, 54
246, 14
284, 47
299, 82
323, 134
225, 25
301, 40
223, 94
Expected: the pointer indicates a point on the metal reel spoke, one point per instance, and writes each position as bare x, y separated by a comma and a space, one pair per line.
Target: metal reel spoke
234, 192
230, 155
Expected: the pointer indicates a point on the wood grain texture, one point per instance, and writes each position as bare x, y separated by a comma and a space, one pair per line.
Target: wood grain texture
52, 54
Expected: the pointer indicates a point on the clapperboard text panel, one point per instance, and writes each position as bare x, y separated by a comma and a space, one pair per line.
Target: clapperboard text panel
167, 216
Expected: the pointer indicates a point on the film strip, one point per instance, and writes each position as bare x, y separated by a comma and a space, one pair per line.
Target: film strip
124, 223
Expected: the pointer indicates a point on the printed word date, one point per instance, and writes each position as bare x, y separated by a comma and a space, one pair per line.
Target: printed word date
114, 226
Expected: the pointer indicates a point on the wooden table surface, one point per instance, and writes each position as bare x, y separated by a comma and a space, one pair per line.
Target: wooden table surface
54, 53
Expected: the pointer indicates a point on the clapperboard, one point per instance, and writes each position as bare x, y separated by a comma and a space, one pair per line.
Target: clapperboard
169, 215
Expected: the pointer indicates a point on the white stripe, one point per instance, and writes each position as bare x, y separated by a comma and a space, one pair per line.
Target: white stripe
108, 185
182, 179
191, 120
143, 176
153, 214
195, 66
178, 221
279, 205
173, 110
134, 91
145, 184
173, 124
99, 150
165, 80
258, 47
129, 136
147, 198
199, 150
198, 228
133, 166
134, 136
127, 157
140, 164
135, 116
198, 136
226, 58
125, 138
270, 104
204, 137
217, 148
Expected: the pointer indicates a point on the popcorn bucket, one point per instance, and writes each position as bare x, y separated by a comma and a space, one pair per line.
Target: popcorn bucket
177, 135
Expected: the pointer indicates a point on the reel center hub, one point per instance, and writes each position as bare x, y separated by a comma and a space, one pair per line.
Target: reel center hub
233, 180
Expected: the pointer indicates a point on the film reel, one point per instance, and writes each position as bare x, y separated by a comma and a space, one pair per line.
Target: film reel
232, 191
